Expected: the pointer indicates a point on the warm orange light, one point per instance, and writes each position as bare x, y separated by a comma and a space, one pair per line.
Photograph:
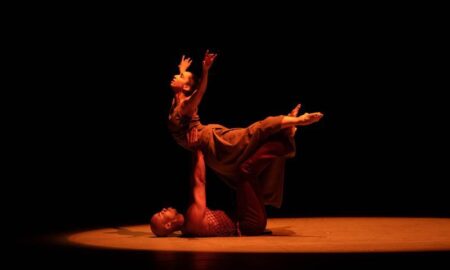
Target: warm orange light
291, 235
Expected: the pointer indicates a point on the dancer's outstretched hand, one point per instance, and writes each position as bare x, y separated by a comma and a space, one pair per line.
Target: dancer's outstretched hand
184, 64
208, 60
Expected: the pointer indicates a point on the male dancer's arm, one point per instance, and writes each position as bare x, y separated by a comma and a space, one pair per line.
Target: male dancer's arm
197, 208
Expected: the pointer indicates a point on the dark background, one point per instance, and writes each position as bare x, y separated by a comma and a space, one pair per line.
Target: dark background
92, 147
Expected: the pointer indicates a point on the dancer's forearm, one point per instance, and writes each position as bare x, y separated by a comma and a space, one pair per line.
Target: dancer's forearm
197, 97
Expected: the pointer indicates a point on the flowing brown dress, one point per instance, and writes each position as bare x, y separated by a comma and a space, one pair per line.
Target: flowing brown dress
225, 149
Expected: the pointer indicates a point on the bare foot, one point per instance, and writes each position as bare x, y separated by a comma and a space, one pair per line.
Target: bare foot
291, 131
295, 111
309, 118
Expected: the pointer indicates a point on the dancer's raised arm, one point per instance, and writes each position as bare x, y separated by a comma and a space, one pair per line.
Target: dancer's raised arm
194, 100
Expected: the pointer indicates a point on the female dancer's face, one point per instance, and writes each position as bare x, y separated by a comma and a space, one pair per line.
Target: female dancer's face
182, 81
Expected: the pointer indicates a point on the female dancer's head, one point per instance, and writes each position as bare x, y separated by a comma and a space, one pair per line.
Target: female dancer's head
184, 82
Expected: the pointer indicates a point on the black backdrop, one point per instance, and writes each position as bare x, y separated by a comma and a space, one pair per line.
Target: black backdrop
93, 148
